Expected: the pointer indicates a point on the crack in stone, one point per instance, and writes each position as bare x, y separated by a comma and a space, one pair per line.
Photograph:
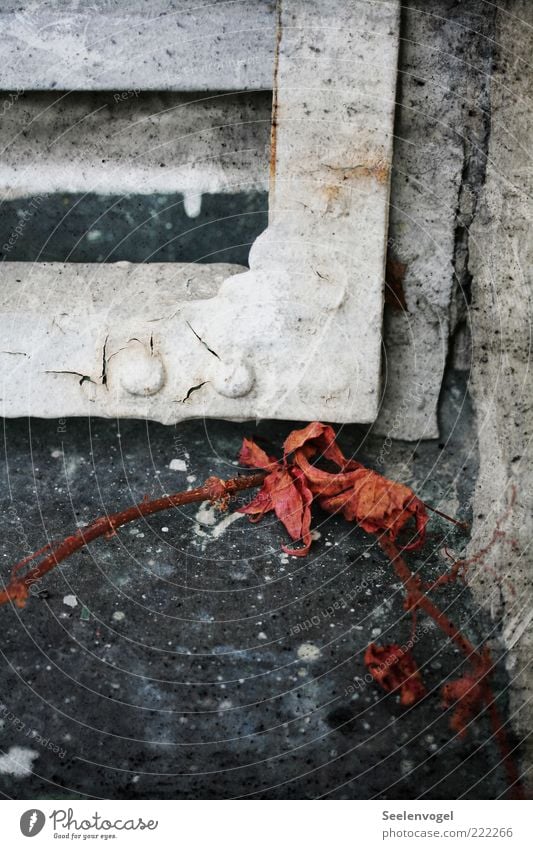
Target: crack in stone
193, 389
83, 377
475, 152
103, 377
202, 341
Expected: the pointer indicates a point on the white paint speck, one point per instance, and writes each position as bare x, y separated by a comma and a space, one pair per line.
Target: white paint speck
308, 652
222, 526
191, 478
178, 465
17, 762
262, 636
206, 514
70, 600
118, 615
164, 530
56, 453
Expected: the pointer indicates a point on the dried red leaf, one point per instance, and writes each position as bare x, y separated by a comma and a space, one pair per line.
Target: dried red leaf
318, 438
286, 493
254, 457
394, 668
377, 504
321, 482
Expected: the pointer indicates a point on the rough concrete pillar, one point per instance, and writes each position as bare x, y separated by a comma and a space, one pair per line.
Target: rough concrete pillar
501, 261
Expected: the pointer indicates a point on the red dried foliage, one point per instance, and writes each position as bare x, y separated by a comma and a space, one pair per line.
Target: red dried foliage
470, 694
361, 495
394, 668
384, 508
289, 487
284, 491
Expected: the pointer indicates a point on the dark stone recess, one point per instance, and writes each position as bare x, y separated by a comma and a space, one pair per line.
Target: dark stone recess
136, 228
211, 666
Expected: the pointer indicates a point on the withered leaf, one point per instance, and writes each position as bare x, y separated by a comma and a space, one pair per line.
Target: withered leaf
395, 669
361, 495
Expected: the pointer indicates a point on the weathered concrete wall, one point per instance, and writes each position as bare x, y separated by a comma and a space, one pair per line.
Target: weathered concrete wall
439, 158
501, 260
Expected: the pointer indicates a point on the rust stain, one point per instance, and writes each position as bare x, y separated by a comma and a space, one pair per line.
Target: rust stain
275, 102
378, 170
331, 192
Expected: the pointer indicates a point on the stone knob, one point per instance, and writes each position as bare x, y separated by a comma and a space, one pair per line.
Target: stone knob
141, 372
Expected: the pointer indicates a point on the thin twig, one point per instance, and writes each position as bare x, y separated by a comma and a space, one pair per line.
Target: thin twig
214, 489
463, 525
417, 599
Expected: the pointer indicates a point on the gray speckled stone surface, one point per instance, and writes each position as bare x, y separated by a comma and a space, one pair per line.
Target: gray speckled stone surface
188, 657
501, 263
165, 45
440, 153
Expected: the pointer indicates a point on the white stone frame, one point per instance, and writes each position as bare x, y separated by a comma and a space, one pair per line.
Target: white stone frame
298, 335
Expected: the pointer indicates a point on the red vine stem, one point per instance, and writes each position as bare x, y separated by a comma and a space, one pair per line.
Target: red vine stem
417, 599
214, 489
464, 525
